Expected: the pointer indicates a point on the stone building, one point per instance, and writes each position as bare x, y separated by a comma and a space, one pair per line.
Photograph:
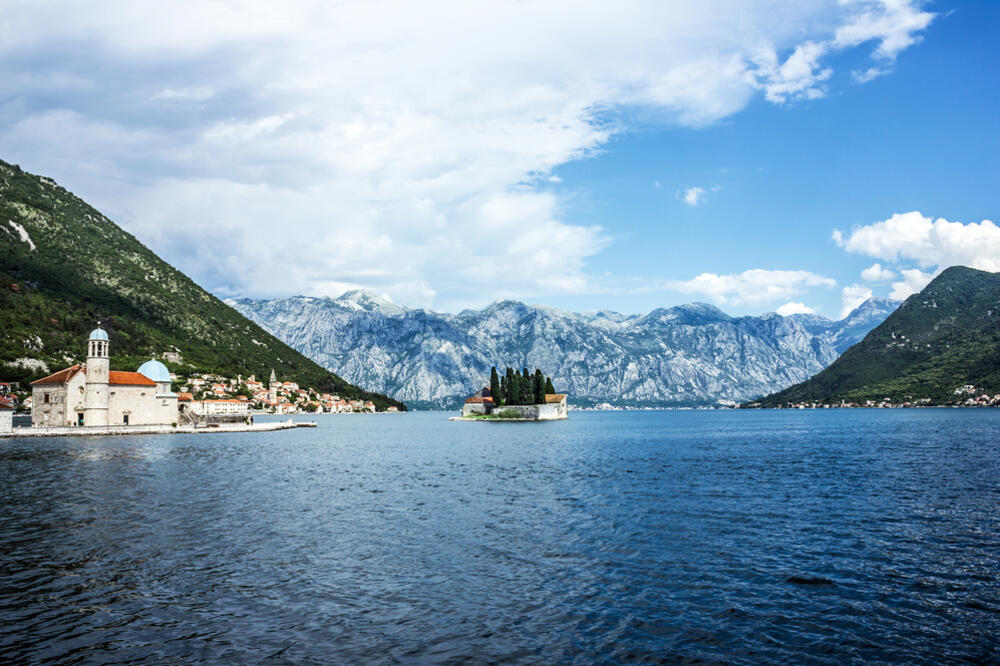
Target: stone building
94, 395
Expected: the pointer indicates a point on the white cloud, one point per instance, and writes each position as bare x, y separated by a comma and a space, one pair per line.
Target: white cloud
753, 287
335, 143
894, 24
692, 196
921, 248
192, 93
875, 273
852, 296
867, 75
794, 307
656, 184
929, 243
800, 76
913, 281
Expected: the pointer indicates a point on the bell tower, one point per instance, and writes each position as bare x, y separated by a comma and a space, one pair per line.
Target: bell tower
95, 401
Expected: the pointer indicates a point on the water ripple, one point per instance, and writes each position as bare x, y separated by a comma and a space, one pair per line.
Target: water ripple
709, 537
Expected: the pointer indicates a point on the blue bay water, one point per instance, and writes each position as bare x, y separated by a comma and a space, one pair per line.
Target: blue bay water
738, 537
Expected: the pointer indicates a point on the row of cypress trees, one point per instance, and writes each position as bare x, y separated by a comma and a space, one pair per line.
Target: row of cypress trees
519, 388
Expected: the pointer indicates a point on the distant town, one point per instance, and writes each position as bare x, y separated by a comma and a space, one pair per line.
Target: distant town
965, 396
214, 394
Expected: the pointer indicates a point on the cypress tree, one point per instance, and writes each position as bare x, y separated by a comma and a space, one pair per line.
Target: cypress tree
514, 389
495, 385
501, 397
548, 385
539, 386
527, 390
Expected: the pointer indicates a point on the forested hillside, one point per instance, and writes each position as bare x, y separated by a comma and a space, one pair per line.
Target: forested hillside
943, 338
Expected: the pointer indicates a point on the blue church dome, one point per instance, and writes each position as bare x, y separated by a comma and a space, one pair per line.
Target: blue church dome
155, 371
98, 334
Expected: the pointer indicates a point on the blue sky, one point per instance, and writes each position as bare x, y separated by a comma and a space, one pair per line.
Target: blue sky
925, 138
580, 155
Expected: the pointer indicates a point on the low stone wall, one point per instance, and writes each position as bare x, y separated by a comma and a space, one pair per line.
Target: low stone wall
471, 408
533, 412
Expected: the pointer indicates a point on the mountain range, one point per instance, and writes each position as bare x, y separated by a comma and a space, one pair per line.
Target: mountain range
64, 267
938, 341
681, 356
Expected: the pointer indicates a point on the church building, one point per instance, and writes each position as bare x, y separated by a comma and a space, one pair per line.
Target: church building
94, 395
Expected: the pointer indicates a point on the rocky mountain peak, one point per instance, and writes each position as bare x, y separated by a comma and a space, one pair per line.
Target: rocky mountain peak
369, 301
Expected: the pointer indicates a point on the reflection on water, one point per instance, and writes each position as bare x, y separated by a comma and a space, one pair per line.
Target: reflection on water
722, 536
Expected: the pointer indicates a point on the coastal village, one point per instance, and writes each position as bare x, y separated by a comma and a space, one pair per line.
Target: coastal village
215, 394
964, 396
93, 395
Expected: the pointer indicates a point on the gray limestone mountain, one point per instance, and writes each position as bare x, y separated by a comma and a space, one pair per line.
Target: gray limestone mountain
687, 355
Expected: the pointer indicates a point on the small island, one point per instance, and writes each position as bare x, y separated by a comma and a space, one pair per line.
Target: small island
516, 396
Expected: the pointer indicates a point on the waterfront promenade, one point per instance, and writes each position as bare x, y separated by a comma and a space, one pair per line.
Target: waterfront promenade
104, 431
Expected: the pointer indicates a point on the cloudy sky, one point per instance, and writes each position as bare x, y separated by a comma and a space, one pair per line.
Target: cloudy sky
760, 155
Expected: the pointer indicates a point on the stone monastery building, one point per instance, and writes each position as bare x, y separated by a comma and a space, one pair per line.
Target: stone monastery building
94, 395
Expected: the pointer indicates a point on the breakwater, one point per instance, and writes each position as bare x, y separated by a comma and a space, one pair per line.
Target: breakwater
104, 431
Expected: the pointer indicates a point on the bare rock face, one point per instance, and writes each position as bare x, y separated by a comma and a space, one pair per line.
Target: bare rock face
687, 355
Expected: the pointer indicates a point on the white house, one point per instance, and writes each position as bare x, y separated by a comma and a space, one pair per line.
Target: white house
212, 407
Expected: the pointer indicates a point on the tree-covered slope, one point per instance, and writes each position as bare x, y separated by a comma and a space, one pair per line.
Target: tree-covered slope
64, 266
945, 337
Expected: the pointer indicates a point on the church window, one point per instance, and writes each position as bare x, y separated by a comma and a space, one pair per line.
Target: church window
46, 398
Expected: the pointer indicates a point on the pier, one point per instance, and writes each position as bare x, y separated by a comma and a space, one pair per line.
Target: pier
106, 431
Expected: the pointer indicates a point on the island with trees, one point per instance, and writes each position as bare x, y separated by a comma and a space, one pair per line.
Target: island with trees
516, 396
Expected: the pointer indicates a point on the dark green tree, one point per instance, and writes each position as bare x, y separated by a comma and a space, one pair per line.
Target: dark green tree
527, 388
501, 398
548, 385
514, 389
495, 385
538, 384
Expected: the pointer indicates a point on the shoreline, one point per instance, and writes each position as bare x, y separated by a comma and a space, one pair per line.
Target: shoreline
501, 420
106, 431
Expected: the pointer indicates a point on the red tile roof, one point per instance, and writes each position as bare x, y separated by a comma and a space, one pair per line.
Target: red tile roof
554, 397
118, 377
6, 403
60, 377
129, 378
475, 400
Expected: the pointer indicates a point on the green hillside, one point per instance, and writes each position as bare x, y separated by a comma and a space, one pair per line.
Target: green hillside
945, 337
64, 266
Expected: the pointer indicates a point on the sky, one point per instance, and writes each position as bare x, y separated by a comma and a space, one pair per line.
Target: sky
759, 155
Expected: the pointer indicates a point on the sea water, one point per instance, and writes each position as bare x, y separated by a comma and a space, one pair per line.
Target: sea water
726, 536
